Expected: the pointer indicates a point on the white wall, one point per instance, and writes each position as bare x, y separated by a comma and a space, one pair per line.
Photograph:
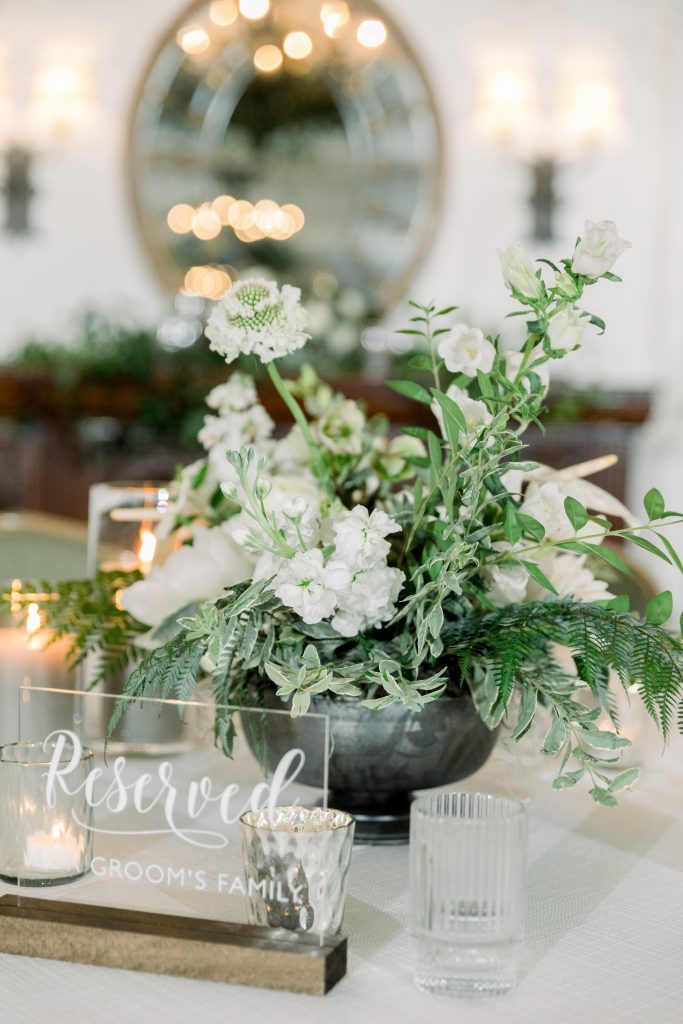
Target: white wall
85, 250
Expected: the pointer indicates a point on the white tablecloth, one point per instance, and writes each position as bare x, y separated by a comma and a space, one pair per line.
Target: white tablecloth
604, 945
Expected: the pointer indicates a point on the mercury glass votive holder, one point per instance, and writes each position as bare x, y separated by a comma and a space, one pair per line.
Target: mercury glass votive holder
467, 891
45, 831
296, 862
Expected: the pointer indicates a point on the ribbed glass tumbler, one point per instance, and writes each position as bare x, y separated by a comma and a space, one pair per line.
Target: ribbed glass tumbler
467, 891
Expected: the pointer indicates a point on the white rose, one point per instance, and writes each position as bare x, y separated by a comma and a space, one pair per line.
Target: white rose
193, 573
570, 577
566, 327
546, 504
513, 362
598, 249
340, 428
518, 271
466, 350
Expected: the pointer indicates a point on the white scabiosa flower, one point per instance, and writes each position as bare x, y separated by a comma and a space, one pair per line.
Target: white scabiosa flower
256, 317
598, 249
238, 394
359, 537
518, 271
309, 586
466, 350
369, 600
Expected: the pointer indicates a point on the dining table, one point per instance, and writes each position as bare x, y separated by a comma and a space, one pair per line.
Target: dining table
603, 945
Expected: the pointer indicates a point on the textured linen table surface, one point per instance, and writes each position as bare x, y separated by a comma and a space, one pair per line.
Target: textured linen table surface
604, 931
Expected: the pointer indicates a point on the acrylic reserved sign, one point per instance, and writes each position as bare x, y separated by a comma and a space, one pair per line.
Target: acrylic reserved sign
152, 822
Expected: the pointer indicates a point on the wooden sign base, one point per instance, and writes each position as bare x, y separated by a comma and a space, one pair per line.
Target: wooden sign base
238, 954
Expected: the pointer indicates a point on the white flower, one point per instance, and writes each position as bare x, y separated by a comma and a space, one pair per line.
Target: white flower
506, 584
475, 412
466, 350
566, 327
545, 503
309, 587
193, 573
518, 271
566, 285
391, 457
570, 577
598, 249
238, 394
291, 454
359, 537
340, 428
513, 361
369, 600
236, 429
257, 317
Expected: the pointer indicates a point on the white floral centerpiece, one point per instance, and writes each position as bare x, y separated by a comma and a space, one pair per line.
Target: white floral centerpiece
382, 568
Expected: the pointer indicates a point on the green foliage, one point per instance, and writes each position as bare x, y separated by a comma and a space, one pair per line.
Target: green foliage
85, 612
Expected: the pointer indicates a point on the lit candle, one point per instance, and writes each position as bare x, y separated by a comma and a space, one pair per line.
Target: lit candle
56, 850
141, 559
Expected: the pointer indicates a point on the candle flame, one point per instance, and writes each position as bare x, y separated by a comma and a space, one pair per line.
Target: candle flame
33, 620
148, 545
57, 830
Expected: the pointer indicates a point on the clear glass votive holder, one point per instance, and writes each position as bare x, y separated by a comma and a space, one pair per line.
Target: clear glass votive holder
296, 862
467, 891
45, 831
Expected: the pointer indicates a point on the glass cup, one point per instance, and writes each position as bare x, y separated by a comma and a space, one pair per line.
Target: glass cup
296, 863
467, 891
45, 831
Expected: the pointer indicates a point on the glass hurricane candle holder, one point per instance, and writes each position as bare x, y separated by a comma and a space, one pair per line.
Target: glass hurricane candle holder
46, 833
296, 862
122, 522
467, 891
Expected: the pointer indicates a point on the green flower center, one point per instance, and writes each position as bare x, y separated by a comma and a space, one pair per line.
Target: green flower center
252, 296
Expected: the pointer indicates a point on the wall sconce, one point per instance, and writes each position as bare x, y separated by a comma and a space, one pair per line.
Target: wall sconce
61, 98
546, 136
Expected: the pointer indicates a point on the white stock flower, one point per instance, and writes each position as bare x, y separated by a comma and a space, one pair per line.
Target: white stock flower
475, 412
340, 428
466, 350
518, 271
513, 362
568, 574
193, 573
236, 429
598, 248
359, 537
566, 327
291, 454
369, 600
309, 587
256, 317
236, 395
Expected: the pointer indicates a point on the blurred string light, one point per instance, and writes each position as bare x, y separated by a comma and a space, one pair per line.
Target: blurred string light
371, 33
223, 12
208, 282
334, 16
298, 45
268, 58
254, 9
251, 222
193, 39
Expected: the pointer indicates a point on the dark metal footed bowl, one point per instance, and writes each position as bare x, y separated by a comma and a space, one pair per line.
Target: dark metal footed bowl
379, 758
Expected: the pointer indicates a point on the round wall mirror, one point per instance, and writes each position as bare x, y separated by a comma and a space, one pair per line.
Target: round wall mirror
294, 138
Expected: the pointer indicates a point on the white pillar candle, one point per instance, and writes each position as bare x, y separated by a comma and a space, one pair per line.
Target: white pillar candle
49, 852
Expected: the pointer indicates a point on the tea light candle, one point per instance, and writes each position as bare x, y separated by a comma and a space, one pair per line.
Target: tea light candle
47, 852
